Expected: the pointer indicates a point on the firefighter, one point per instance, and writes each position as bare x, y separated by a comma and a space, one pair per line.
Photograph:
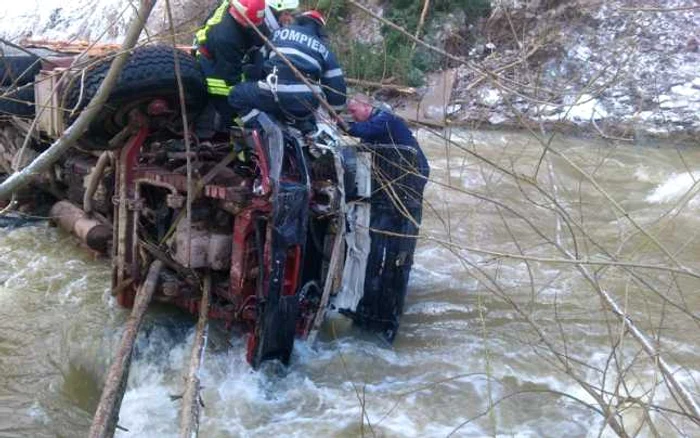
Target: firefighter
279, 13
282, 93
221, 45
396, 214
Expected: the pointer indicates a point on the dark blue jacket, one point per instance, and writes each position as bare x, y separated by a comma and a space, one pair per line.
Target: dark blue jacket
222, 44
383, 127
307, 52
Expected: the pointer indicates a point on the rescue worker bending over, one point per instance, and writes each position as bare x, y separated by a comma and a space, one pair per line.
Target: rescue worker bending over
394, 230
222, 44
282, 93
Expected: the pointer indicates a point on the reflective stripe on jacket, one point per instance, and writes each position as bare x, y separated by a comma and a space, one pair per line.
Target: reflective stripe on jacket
222, 44
213, 20
218, 87
305, 50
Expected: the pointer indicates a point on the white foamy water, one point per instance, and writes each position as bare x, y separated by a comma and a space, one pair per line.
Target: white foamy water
467, 339
675, 187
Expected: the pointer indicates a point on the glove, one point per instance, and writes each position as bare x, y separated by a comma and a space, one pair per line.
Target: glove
252, 72
253, 68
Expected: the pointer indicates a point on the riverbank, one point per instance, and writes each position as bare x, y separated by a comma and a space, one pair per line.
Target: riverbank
621, 71
625, 69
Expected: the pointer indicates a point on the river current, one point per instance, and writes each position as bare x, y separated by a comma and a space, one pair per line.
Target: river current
503, 335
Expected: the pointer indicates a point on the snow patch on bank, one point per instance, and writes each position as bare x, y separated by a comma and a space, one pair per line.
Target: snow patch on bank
98, 20
611, 69
103, 21
581, 109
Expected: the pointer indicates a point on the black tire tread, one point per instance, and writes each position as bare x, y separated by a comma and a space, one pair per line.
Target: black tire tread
18, 69
149, 72
17, 102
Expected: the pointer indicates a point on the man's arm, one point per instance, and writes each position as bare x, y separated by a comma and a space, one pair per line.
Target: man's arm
229, 61
253, 68
375, 126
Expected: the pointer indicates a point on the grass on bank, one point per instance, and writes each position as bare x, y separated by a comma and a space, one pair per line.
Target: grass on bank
395, 57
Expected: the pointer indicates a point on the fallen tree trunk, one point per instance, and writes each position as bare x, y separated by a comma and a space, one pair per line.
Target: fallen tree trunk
189, 413
73, 132
107, 413
369, 84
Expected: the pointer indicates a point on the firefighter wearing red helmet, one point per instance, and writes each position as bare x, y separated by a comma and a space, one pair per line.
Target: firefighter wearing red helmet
316, 16
221, 45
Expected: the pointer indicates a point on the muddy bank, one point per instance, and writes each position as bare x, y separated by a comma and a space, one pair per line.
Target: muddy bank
620, 70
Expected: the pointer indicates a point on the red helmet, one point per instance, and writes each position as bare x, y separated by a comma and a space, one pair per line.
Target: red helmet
316, 16
254, 10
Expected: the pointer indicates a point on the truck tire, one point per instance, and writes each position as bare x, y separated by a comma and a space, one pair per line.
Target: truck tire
149, 74
17, 102
19, 69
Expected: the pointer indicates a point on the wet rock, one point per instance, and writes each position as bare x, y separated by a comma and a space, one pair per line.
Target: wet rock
686, 90
497, 118
673, 103
489, 97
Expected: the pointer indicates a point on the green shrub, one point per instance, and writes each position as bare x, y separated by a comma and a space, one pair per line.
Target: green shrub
397, 57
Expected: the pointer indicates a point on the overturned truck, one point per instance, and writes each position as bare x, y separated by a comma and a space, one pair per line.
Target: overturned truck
282, 226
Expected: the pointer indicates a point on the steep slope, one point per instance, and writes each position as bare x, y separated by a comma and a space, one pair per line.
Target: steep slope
618, 67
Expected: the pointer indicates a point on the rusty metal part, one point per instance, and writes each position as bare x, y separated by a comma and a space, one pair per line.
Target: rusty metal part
236, 188
74, 220
125, 249
199, 186
197, 247
136, 204
325, 198
163, 176
93, 180
239, 193
162, 184
189, 276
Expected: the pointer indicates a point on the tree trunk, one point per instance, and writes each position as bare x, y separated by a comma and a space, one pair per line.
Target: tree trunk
107, 413
44, 161
189, 414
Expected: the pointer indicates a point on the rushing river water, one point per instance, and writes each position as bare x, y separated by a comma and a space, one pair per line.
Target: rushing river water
490, 344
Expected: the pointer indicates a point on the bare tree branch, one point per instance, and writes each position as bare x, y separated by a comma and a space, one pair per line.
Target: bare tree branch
78, 128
